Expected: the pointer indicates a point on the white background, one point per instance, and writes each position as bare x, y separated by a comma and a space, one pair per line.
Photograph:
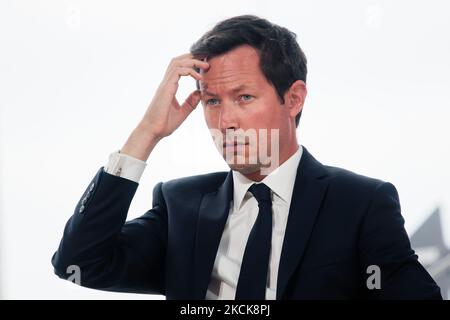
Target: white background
76, 77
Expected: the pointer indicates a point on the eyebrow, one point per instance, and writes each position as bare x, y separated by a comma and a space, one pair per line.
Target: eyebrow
212, 94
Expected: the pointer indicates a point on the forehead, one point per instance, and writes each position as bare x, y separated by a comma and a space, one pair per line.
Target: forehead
237, 67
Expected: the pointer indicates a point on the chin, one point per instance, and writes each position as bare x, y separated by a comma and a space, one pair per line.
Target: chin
242, 162
245, 168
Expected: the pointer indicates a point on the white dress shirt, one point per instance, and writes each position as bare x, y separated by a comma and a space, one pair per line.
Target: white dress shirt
125, 166
243, 212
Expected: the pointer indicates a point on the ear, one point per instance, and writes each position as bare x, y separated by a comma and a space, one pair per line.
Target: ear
295, 96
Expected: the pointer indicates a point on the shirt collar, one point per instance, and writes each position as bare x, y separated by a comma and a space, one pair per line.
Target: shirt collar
280, 181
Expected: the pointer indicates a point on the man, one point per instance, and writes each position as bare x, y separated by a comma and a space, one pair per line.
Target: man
279, 225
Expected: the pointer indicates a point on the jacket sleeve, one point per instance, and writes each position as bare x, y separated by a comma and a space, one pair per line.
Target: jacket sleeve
109, 253
384, 244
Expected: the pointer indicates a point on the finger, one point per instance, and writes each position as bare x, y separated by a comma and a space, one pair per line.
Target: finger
174, 76
189, 71
190, 62
195, 63
198, 61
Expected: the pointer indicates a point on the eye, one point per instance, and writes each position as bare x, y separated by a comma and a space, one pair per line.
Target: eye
212, 102
246, 97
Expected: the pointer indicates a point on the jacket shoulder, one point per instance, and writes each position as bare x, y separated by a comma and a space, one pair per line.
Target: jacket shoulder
350, 181
203, 183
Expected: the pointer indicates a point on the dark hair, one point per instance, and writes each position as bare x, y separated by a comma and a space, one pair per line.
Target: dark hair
282, 61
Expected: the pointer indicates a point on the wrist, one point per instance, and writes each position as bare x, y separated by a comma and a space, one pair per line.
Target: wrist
140, 143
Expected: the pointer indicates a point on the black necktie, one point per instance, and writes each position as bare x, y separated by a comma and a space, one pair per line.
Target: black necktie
255, 263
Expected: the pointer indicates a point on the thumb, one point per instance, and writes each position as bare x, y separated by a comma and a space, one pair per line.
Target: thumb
192, 101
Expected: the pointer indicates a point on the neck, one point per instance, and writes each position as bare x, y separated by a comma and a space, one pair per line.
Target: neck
257, 176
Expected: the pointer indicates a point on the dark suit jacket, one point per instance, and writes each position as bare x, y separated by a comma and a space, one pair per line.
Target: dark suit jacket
339, 224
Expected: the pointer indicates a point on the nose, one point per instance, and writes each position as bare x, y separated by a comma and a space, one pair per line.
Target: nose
228, 116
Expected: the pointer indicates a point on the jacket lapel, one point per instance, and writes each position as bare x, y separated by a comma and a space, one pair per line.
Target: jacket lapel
213, 214
309, 190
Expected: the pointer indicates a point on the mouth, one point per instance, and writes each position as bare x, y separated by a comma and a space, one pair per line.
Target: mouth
233, 145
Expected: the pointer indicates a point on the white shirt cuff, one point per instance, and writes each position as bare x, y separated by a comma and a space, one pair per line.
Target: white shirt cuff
125, 166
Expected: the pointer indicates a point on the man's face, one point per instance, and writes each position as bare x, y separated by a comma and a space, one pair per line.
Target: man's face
237, 97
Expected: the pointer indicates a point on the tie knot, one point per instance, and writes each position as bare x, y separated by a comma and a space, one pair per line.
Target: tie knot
261, 192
